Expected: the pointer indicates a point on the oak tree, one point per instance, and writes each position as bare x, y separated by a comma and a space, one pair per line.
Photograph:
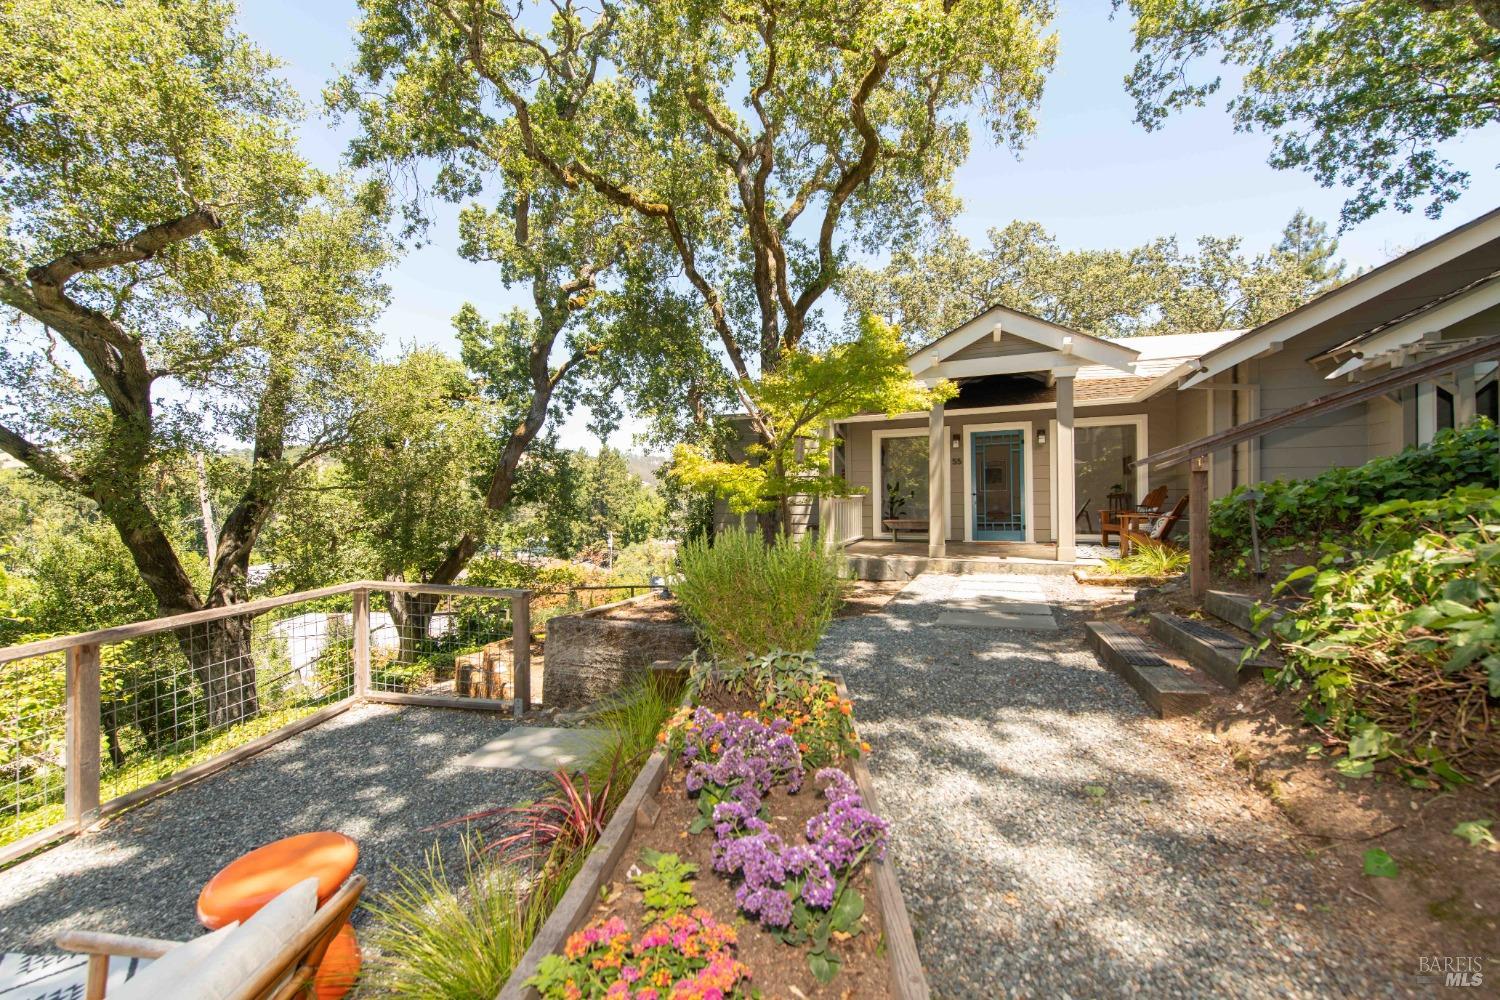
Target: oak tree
174, 275
755, 140
1361, 93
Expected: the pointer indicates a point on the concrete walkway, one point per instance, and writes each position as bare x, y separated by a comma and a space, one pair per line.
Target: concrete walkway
1049, 840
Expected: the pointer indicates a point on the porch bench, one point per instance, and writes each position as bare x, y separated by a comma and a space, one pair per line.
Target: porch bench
896, 525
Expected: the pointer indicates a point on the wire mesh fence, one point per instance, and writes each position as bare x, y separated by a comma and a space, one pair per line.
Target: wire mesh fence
424, 642
550, 603
33, 740
108, 717
168, 700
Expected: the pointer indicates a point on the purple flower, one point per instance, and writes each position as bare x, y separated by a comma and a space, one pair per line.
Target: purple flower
738, 760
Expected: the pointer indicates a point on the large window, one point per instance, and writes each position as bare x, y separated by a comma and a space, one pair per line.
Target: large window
903, 477
1103, 454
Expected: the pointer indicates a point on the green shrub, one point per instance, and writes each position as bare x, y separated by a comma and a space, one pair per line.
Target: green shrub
750, 598
430, 940
1307, 510
1399, 642
1150, 559
630, 722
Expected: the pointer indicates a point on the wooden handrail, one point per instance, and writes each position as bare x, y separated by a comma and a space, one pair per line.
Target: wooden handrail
1396, 378
134, 630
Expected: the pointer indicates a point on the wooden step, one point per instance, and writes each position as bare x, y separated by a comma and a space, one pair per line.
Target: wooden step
1239, 611
1215, 652
1166, 689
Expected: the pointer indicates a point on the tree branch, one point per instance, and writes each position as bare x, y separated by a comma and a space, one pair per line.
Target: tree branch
39, 460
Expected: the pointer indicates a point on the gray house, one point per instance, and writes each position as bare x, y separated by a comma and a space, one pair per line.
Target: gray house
1048, 421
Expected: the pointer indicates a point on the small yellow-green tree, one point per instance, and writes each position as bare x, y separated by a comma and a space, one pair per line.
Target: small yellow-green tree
807, 392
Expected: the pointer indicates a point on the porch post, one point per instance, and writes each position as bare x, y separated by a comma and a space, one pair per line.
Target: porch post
937, 474
1064, 475
1463, 400
1426, 412
1198, 526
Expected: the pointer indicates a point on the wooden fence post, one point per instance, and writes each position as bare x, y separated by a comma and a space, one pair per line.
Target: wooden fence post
81, 781
1198, 525
361, 643
520, 644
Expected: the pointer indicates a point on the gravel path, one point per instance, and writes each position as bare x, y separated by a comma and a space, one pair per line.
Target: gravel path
377, 773
1051, 844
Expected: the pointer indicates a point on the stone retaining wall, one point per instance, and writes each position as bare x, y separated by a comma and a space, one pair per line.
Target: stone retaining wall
589, 655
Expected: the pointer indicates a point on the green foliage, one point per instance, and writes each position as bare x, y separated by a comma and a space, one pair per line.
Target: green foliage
807, 391
432, 940
1329, 504
1150, 559
630, 722
665, 884
1476, 832
851, 120
1379, 864
930, 288
576, 503
415, 467
1360, 94
1398, 644
749, 597
790, 686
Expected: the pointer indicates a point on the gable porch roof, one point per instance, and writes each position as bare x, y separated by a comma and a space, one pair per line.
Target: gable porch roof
1056, 349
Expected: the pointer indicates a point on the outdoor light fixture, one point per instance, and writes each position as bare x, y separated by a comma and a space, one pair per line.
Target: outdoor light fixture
955, 439
1041, 436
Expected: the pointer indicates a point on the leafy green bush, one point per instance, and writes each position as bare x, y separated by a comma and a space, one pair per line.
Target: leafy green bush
432, 941
1307, 510
750, 598
1150, 559
1399, 642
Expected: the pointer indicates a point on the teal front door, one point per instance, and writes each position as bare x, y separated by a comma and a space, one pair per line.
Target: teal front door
998, 460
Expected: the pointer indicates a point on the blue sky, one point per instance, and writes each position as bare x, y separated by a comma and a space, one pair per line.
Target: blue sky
1090, 175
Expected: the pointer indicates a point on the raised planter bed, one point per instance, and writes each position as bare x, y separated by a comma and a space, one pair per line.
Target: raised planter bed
596, 652
881, 961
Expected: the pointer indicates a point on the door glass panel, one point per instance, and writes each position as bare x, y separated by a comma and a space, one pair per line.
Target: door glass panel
999, 504
903, 477
1102, 460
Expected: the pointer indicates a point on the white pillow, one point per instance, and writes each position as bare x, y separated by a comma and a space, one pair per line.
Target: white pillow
256, 943
156, 980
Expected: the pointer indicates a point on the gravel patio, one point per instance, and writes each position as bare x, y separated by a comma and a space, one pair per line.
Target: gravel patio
1051, 842
379, 774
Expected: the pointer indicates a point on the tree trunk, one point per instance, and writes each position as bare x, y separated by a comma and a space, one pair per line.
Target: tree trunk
219, 653
412, 616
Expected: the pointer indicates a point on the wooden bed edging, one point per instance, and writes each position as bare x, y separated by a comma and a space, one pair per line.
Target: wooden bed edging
907, 980
573, 910
1104, 580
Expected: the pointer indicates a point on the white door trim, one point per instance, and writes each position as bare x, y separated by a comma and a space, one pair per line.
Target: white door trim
1027, 472
877, 496
1141, 473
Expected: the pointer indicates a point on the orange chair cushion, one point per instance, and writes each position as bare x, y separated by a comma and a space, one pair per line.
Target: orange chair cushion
250, 882
339, 970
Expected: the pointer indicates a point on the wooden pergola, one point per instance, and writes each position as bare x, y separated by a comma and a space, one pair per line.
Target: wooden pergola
1197, 452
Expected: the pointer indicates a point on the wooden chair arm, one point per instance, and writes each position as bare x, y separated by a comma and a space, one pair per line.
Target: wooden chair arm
122, 945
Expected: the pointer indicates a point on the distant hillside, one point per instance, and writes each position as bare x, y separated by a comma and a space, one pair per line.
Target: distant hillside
645, 467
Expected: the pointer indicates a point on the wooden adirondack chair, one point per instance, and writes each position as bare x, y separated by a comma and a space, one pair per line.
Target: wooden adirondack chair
1085, 515
1160, 529
1111, 522
285, 974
